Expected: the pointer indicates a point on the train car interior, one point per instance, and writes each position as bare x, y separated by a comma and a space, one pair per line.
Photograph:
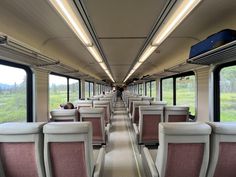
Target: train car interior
105, 88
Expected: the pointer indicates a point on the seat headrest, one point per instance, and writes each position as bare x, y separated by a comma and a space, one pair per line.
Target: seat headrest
67, 127
14, 128
158, 102
137, 103
151, 108
176, 108
84, 102
64, 112
185, 128
135, 99
226, 128
91, 110
101, 102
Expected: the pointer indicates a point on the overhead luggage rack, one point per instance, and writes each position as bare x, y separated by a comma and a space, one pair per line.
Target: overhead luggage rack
222, 54
14, 50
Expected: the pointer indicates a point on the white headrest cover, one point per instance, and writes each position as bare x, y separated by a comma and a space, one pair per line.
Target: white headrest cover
67, 127
137, 103
158, 102
14, 128
64, 112
91, 110
151, 108
176, 108
101, 102
227, 128
185, 128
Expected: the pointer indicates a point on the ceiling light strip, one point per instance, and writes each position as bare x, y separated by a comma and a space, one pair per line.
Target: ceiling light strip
69, 13
177, 14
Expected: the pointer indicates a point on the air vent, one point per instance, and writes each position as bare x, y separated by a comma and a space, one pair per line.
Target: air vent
221, 54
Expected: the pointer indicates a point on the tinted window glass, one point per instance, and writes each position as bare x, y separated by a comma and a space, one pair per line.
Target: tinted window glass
13, 93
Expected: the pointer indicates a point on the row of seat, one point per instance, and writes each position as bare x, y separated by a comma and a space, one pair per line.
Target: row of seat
97, 116
193, 150
150, 116
56, 149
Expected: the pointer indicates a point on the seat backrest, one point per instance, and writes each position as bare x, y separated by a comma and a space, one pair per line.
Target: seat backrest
176, 113
135, 114
96, 117
84, 103
149, 119
68, 149
147, 98
107, 110
183, 149
159, 103
223, 150
130, 103
59, 115
108, 99
21, 150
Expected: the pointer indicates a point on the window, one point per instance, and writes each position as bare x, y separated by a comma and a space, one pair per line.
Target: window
73, 90
62, 89
179, 90
57, 91
15, 93
185, 92
140, 89
148, 89
167, 91
225, 93
153, 90
88, 89
97, 89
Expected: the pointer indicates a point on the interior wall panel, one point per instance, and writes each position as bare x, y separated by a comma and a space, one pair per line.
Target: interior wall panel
41, 80
203, 76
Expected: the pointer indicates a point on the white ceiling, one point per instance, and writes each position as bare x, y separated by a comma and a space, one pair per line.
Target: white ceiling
121, 28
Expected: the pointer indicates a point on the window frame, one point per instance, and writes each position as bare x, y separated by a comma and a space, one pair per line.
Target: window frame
90, 82
174, 77
216, 89
68, 84
150, 89
29, 87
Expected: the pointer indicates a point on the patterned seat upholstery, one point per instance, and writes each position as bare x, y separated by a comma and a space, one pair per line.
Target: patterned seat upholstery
223, 150
148, 129
176, 114
96, 117
21, 150
59, 115
183, 151
68, 150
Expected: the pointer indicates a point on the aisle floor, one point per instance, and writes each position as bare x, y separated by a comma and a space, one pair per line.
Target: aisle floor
121, 160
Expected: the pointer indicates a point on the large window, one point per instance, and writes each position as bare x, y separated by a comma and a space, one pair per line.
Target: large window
88, 89
153, 90
73, 90
225, 98
140, 89
97, 89
167, 91
57, 91
185, 92
150, 89
15, 93
179, 90
62, 89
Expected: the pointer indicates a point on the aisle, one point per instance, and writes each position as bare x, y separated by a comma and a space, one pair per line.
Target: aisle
120, 160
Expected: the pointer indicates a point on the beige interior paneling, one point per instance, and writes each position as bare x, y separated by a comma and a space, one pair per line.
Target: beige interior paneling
202, 76
41, 95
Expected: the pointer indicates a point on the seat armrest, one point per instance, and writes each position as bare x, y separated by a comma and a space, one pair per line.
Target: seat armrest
136, 132
148, 163
99, 163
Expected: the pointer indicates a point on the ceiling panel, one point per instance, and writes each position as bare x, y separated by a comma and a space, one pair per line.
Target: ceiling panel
112, 18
